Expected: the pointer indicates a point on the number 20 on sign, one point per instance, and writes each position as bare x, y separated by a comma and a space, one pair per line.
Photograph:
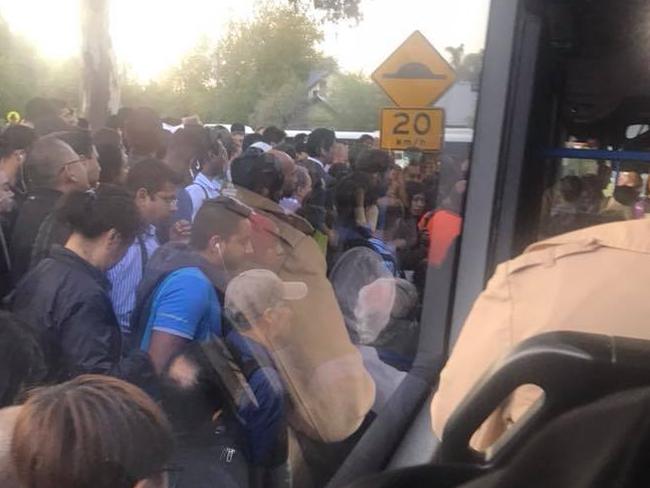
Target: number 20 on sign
402, 128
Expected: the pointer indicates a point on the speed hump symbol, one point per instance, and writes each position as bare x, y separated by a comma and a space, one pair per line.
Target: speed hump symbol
403, 128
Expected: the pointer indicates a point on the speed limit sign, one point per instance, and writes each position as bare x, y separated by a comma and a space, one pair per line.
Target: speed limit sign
403, 128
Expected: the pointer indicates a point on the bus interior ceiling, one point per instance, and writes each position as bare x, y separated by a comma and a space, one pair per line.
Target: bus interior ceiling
592, 81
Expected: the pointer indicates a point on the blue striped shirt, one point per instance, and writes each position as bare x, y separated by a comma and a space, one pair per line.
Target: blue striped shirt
126, 275
202, 189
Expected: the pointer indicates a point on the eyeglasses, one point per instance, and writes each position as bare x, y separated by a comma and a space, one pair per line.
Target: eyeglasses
168, 200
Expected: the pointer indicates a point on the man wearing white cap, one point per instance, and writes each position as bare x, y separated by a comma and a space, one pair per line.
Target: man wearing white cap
256, 304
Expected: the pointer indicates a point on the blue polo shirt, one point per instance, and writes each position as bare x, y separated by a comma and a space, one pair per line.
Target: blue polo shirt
185, 304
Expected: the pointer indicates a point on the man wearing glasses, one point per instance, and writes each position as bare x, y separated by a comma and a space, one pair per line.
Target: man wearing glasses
153, 185
52, 169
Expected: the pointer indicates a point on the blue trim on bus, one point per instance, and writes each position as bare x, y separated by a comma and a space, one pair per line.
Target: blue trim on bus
598, 154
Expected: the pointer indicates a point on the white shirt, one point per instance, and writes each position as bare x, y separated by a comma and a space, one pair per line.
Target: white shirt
202, 189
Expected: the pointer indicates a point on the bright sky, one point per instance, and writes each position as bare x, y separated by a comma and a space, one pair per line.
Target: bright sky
151, 35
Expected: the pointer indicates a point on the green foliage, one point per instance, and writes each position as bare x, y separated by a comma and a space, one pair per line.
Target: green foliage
280, 106
249, 76
333, 10
357, 102
468, 66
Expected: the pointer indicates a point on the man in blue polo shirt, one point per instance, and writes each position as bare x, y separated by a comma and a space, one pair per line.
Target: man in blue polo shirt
178, 299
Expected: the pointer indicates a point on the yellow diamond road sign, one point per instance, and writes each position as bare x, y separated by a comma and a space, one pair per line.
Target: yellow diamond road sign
415, 75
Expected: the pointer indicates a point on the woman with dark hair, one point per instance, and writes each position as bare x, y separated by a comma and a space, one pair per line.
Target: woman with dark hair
93, 431
66, 295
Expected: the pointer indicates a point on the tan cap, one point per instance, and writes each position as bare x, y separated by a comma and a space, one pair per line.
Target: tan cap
255, 291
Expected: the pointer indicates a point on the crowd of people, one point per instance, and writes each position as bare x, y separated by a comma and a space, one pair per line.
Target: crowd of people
202, 304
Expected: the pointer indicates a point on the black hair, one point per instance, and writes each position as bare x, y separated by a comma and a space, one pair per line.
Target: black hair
346, 195
414, 188
114, 122
260, 173
274, 135
320, 140
571, 188
217, 217
237, 127
366, 137
193, 140
301, 147
39, 108
250, 139
191, 405
220, 133
339, 171
19, 137
288, 149
94, 212
142, 128
152, 175
80, 140
22, 361
111, 161
300, 139
373, 161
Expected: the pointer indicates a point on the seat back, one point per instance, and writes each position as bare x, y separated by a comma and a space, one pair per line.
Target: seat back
571, 368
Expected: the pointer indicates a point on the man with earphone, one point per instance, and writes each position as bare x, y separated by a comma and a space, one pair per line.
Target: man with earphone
178, 300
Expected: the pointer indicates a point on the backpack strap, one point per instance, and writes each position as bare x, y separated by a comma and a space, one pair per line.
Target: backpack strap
144, 256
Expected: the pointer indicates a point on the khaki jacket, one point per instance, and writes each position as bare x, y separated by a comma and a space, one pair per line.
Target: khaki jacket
331, 390
594, 280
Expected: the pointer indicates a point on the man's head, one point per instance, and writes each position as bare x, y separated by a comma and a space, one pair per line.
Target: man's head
104, 221
250, 139
303, 183
412, 173
288, 166
320, 144
111, 155
221, 232
238, 131
153, 184
274, 136
189, 146
258, 299
260, 173
82, 142
346, 194
373, 309
54, 164
142, 132
215, 161
375, 163
340, 154
367, 140
15, 142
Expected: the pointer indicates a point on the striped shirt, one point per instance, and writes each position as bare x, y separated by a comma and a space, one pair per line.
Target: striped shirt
202, 189
126, 275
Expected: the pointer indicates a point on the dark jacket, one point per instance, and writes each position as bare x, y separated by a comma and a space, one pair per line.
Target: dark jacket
67, 299
38, 205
